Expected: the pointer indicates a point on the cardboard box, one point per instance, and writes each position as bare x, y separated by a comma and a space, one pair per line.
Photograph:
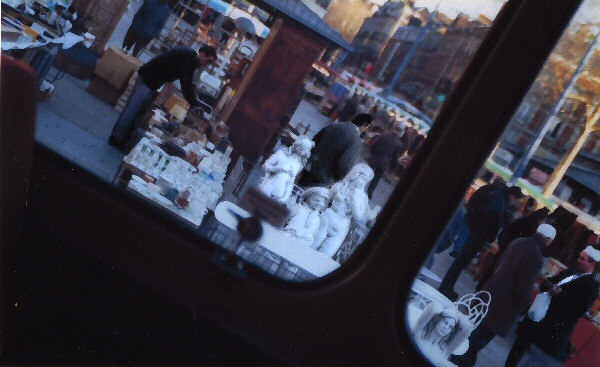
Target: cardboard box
116, 67
175, 100
104, 91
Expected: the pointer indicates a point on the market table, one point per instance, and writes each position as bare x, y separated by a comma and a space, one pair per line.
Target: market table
280, 243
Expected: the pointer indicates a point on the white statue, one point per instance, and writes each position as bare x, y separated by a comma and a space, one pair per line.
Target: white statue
282, 168
439, 331
353, 187
335, 223
305, 222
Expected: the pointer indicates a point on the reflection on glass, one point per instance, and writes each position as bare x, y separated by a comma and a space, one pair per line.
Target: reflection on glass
518, 259
305, 117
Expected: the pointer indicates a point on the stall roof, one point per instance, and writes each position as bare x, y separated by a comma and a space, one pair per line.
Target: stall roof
585, 177
301, 13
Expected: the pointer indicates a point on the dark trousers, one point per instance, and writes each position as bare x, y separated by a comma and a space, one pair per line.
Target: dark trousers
477, 341
520, 347
131, 39
474, 244
378, 173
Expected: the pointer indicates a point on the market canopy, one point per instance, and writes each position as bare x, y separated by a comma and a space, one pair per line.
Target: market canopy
243, 20
297, 10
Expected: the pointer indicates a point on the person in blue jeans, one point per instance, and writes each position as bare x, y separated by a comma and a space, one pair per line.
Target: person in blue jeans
455, 234
180, 64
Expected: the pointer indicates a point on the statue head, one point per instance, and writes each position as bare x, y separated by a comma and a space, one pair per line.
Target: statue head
302, 147
316, 198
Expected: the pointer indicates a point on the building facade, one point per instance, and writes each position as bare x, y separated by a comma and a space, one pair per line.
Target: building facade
436, 64
377, 30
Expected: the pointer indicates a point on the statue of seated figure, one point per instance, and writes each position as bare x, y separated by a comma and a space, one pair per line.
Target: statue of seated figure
305, 222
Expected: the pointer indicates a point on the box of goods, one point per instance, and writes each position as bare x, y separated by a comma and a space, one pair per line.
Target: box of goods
174, 101
104, 91
167, 91
189, 135
116, 67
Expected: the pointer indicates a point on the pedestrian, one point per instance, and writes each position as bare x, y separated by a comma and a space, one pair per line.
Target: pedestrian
147, 24
510, 289
573, 293
385, 150
486, 213
349, 109
178, 63
337, 149
455, 234
522, 227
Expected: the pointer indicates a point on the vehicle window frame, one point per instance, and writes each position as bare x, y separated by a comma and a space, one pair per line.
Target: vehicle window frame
442, 169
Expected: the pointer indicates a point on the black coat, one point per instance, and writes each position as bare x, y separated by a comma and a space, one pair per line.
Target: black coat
553, 332
512, 283
486, 211
337, 149
385, 149
522, 227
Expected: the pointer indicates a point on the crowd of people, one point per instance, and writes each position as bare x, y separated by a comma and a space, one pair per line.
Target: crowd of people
496, 213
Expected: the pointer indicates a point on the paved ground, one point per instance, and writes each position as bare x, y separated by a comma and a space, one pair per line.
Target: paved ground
77, 125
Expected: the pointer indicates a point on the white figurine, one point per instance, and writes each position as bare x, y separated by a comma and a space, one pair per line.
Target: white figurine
335, 223
282, 168
439, 331
305, 222
353, 187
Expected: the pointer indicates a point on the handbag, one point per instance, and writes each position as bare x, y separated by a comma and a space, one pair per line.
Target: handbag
541, 303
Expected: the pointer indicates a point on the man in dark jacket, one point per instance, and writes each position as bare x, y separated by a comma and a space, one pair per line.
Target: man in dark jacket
571, 300
486, 213
349, 110
385, 150
510, 288
178, 63
147, 24
337, 149
522, 227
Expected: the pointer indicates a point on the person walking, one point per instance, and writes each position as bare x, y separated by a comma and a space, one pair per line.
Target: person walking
349, 109
337, 149
486, 213
573, 293
147, 24
385, 150
177, 64
522, 227
510, 289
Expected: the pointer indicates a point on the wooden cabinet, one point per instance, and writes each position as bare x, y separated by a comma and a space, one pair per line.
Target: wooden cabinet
270, 87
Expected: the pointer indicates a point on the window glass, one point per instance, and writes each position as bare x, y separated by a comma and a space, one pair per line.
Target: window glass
304, 118
512, 278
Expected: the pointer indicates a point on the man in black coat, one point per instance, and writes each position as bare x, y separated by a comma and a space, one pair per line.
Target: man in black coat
570, 301
510, 289
337, 149
522, 227
486, 214
180, 64
385, 150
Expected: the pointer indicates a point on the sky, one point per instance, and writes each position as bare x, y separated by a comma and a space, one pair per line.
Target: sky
473, 8
588, 13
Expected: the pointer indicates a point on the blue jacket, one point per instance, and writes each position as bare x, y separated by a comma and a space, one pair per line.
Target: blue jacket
150, 19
